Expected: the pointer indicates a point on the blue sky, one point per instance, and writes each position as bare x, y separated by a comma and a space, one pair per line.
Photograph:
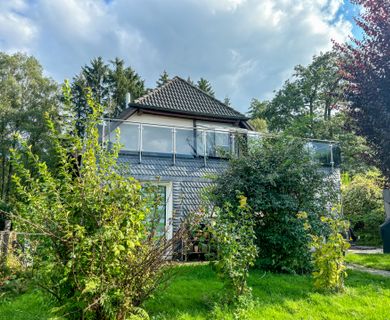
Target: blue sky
246, 48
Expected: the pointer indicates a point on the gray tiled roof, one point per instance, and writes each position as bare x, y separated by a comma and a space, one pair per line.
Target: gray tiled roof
179, 96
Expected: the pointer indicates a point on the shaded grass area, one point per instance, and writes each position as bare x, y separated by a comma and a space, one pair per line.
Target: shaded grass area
31, 305
375, 260
193, 293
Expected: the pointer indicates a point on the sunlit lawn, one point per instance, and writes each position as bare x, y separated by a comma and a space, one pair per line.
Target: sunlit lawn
377, 261
195, 289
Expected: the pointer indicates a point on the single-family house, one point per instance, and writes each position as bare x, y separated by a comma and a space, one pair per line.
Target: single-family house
177, 136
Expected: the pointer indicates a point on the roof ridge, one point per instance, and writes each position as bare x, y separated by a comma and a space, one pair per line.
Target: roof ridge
209, 95
157, 89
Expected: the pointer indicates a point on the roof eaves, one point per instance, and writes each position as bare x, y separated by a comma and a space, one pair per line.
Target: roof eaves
194, 113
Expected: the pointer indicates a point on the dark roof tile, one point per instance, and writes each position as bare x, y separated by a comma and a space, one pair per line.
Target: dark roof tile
179, 96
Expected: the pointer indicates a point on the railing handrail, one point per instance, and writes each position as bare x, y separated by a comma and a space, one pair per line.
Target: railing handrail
201, 127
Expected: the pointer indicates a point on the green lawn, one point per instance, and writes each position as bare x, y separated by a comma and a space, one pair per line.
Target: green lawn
376, 261
194, 290
33, 305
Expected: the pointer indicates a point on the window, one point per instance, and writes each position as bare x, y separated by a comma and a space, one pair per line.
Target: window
162, 216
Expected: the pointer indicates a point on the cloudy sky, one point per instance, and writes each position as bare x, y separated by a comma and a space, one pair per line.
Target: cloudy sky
246, 48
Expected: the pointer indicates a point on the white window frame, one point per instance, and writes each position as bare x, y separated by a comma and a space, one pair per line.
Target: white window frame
168, 205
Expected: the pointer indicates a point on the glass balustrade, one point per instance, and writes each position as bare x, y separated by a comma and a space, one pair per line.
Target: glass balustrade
197, 141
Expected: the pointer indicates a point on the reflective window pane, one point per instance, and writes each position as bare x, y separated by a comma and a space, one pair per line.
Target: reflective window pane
325, 153
129, 136
156, 139
185, 142
218, 143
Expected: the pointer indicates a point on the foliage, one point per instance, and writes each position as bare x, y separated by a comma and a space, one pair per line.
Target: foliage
311, 104
279, 179
101, 255
329, 255
25, 95
365, 66
233, 233
373, 260
108, 84
305, 101
205, 86
363, 205
164, 78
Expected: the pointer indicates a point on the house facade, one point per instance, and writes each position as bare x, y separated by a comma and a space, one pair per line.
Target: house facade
177, 136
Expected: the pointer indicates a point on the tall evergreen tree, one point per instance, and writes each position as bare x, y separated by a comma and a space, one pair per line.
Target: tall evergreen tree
96, 76
122, 80
205, 86
164, 78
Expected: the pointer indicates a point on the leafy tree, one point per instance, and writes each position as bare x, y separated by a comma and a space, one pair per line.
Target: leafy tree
312, 105
363, 205
164, 78
101, 255
279, 179
205, 86
365, 66
307, 101
25, 95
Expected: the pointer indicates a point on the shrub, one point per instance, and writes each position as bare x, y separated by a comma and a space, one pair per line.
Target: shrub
100, 255
329, 255
234, 236
363, 205
279, 178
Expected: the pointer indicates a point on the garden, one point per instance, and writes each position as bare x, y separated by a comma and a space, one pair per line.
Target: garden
84, 238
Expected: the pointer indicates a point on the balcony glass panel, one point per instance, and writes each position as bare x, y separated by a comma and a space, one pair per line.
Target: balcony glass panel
129, 136
185, 142
156, 139
218, 143
325, 153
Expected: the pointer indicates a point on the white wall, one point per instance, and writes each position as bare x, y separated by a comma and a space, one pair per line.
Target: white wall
163, 120
174, 121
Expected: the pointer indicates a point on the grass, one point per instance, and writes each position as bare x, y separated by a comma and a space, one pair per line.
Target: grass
31, 305
193, 292
375, 260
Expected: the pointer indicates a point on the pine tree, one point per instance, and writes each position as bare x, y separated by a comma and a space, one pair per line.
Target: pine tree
205, 86
164, 78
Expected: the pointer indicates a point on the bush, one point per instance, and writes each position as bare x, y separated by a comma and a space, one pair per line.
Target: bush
100, 255
279, 178
233, 235
329, 255
363, 205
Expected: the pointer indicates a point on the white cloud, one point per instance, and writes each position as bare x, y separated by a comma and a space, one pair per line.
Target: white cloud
246, 48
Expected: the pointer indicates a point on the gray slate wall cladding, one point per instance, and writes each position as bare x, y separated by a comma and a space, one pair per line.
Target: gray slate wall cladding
188, 176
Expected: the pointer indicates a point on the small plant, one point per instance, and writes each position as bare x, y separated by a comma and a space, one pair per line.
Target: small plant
329, 255
234, 236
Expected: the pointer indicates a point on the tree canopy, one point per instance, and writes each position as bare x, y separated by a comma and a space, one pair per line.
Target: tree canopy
25, 96
365, 66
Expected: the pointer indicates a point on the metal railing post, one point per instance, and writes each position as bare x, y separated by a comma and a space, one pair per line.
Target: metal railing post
204, 147
174, 145
140, 142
